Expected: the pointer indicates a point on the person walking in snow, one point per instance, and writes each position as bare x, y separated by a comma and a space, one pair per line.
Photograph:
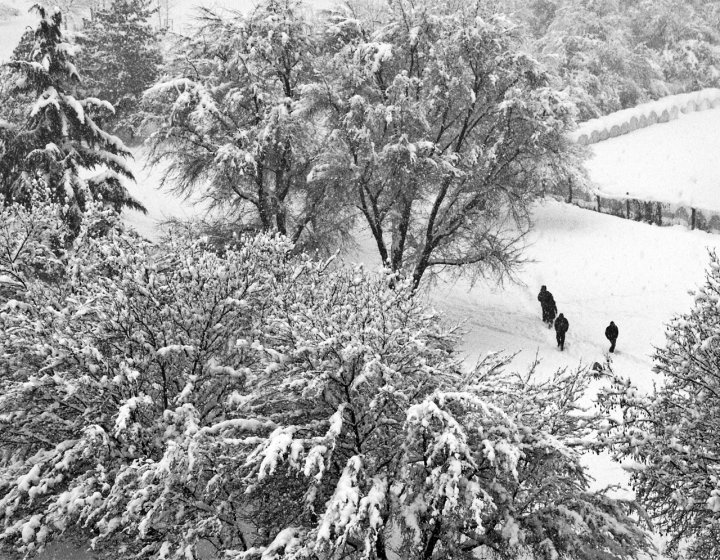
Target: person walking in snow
561, 327
611, 333
547, 303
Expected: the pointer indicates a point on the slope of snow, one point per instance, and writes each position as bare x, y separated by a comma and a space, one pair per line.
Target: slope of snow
599, 268
12, 29
675, 162
645, 114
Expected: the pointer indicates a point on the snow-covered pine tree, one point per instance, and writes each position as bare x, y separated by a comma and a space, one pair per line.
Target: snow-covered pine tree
671, 435
57, 144
120, 58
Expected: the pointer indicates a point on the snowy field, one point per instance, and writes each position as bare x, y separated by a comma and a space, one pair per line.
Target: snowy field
599, 268
673, 162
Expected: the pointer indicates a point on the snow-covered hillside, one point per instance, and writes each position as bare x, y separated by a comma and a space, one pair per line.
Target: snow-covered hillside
644, 115
12, 29
599, 268
674, 162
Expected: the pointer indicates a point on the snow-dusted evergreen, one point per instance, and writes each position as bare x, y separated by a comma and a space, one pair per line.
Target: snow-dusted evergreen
120, 58
55, 147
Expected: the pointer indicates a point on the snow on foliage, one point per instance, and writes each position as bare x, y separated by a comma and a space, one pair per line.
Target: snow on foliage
166, 399
32, 242
672, 432
120, 58
444, 130
430, 125
225, 121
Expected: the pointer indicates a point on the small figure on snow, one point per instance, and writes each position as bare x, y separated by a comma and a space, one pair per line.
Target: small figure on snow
611, 333
561, 327
549, 309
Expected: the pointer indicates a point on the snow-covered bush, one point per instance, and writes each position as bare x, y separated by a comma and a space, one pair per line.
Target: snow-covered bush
172, 399
672, 434
32, 240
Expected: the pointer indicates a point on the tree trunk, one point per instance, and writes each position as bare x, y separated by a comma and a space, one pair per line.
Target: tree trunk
432, 542
420, 267
570, 192
692, 218
281, 220
598, 203
264, 210
282, 186
380, 551
399, 235
627, 208
659, 214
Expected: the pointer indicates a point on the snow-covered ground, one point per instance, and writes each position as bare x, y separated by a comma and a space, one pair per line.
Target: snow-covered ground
160, 203
645, 114
12, 29
675, 162
599, 268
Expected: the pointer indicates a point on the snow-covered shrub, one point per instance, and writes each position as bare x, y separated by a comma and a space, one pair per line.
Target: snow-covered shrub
261, 405
36, 242
32, 241
671, 435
